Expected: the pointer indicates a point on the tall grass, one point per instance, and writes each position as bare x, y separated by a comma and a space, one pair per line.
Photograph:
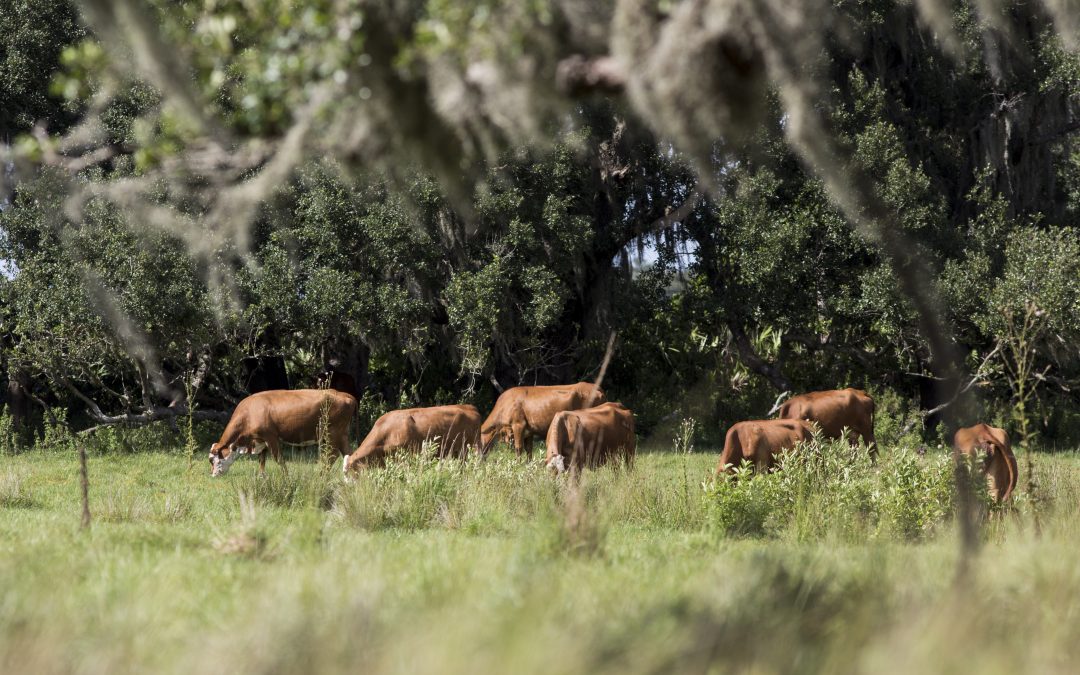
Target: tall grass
833, 564
828, 489
14, 493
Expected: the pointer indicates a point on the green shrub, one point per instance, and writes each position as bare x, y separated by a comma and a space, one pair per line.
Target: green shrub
58, 434
897, 419
743, 503
828, 488
9, 440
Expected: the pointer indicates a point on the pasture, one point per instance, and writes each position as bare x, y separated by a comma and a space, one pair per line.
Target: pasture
839, 566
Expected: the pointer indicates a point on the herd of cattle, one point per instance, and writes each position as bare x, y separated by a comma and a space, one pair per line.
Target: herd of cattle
581, 428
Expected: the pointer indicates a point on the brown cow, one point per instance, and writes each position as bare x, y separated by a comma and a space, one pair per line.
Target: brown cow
999, 463
266, 419
591, 437
833, 411
452, 427
760, 441
522, 413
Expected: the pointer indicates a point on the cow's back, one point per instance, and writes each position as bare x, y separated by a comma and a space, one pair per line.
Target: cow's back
833, 410
541, 404
456, 426
598, 432
537, 405
410, 428
290, 415
759, 441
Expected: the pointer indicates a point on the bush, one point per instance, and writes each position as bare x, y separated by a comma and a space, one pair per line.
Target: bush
9, 437
897, 419
744, 504
831, 488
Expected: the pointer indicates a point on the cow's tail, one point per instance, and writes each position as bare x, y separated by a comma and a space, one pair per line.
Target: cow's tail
732, 450
556, 441
872, 440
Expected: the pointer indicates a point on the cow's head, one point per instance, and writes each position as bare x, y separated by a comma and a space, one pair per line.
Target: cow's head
492, 435
222, 458
347, 466
487, 440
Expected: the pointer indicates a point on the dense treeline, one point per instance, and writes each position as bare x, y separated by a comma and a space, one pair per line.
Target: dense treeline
428, 295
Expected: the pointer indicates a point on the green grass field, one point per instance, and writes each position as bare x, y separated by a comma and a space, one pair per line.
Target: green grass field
499, 567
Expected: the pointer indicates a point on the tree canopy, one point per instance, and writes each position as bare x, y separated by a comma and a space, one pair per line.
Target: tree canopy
446, 199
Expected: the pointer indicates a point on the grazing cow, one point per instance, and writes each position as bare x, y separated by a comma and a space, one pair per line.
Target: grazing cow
266, 419
453, 428
522, 413
999, 463
588, 438
760, 441
835, 410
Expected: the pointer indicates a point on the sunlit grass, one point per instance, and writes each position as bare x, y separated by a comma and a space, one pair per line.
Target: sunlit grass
499, 566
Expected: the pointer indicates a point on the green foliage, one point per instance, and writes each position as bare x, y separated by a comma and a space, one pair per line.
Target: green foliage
427, 290
897, 420
1041, 267
828, 488
741, 504
57, 436
295, 489
33, 34
9, 435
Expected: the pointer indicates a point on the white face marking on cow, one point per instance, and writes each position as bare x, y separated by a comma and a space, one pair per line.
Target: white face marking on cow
221, 464
558, 463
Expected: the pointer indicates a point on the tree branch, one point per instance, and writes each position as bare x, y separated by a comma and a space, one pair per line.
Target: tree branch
778, 403
580, 75
670, 216
960, 391
95, 409
754, 362
158, 414
864, 358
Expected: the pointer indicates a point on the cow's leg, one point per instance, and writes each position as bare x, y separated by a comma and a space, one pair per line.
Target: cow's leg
274, 446
341, 442
521, 439
866, 433
868, 436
